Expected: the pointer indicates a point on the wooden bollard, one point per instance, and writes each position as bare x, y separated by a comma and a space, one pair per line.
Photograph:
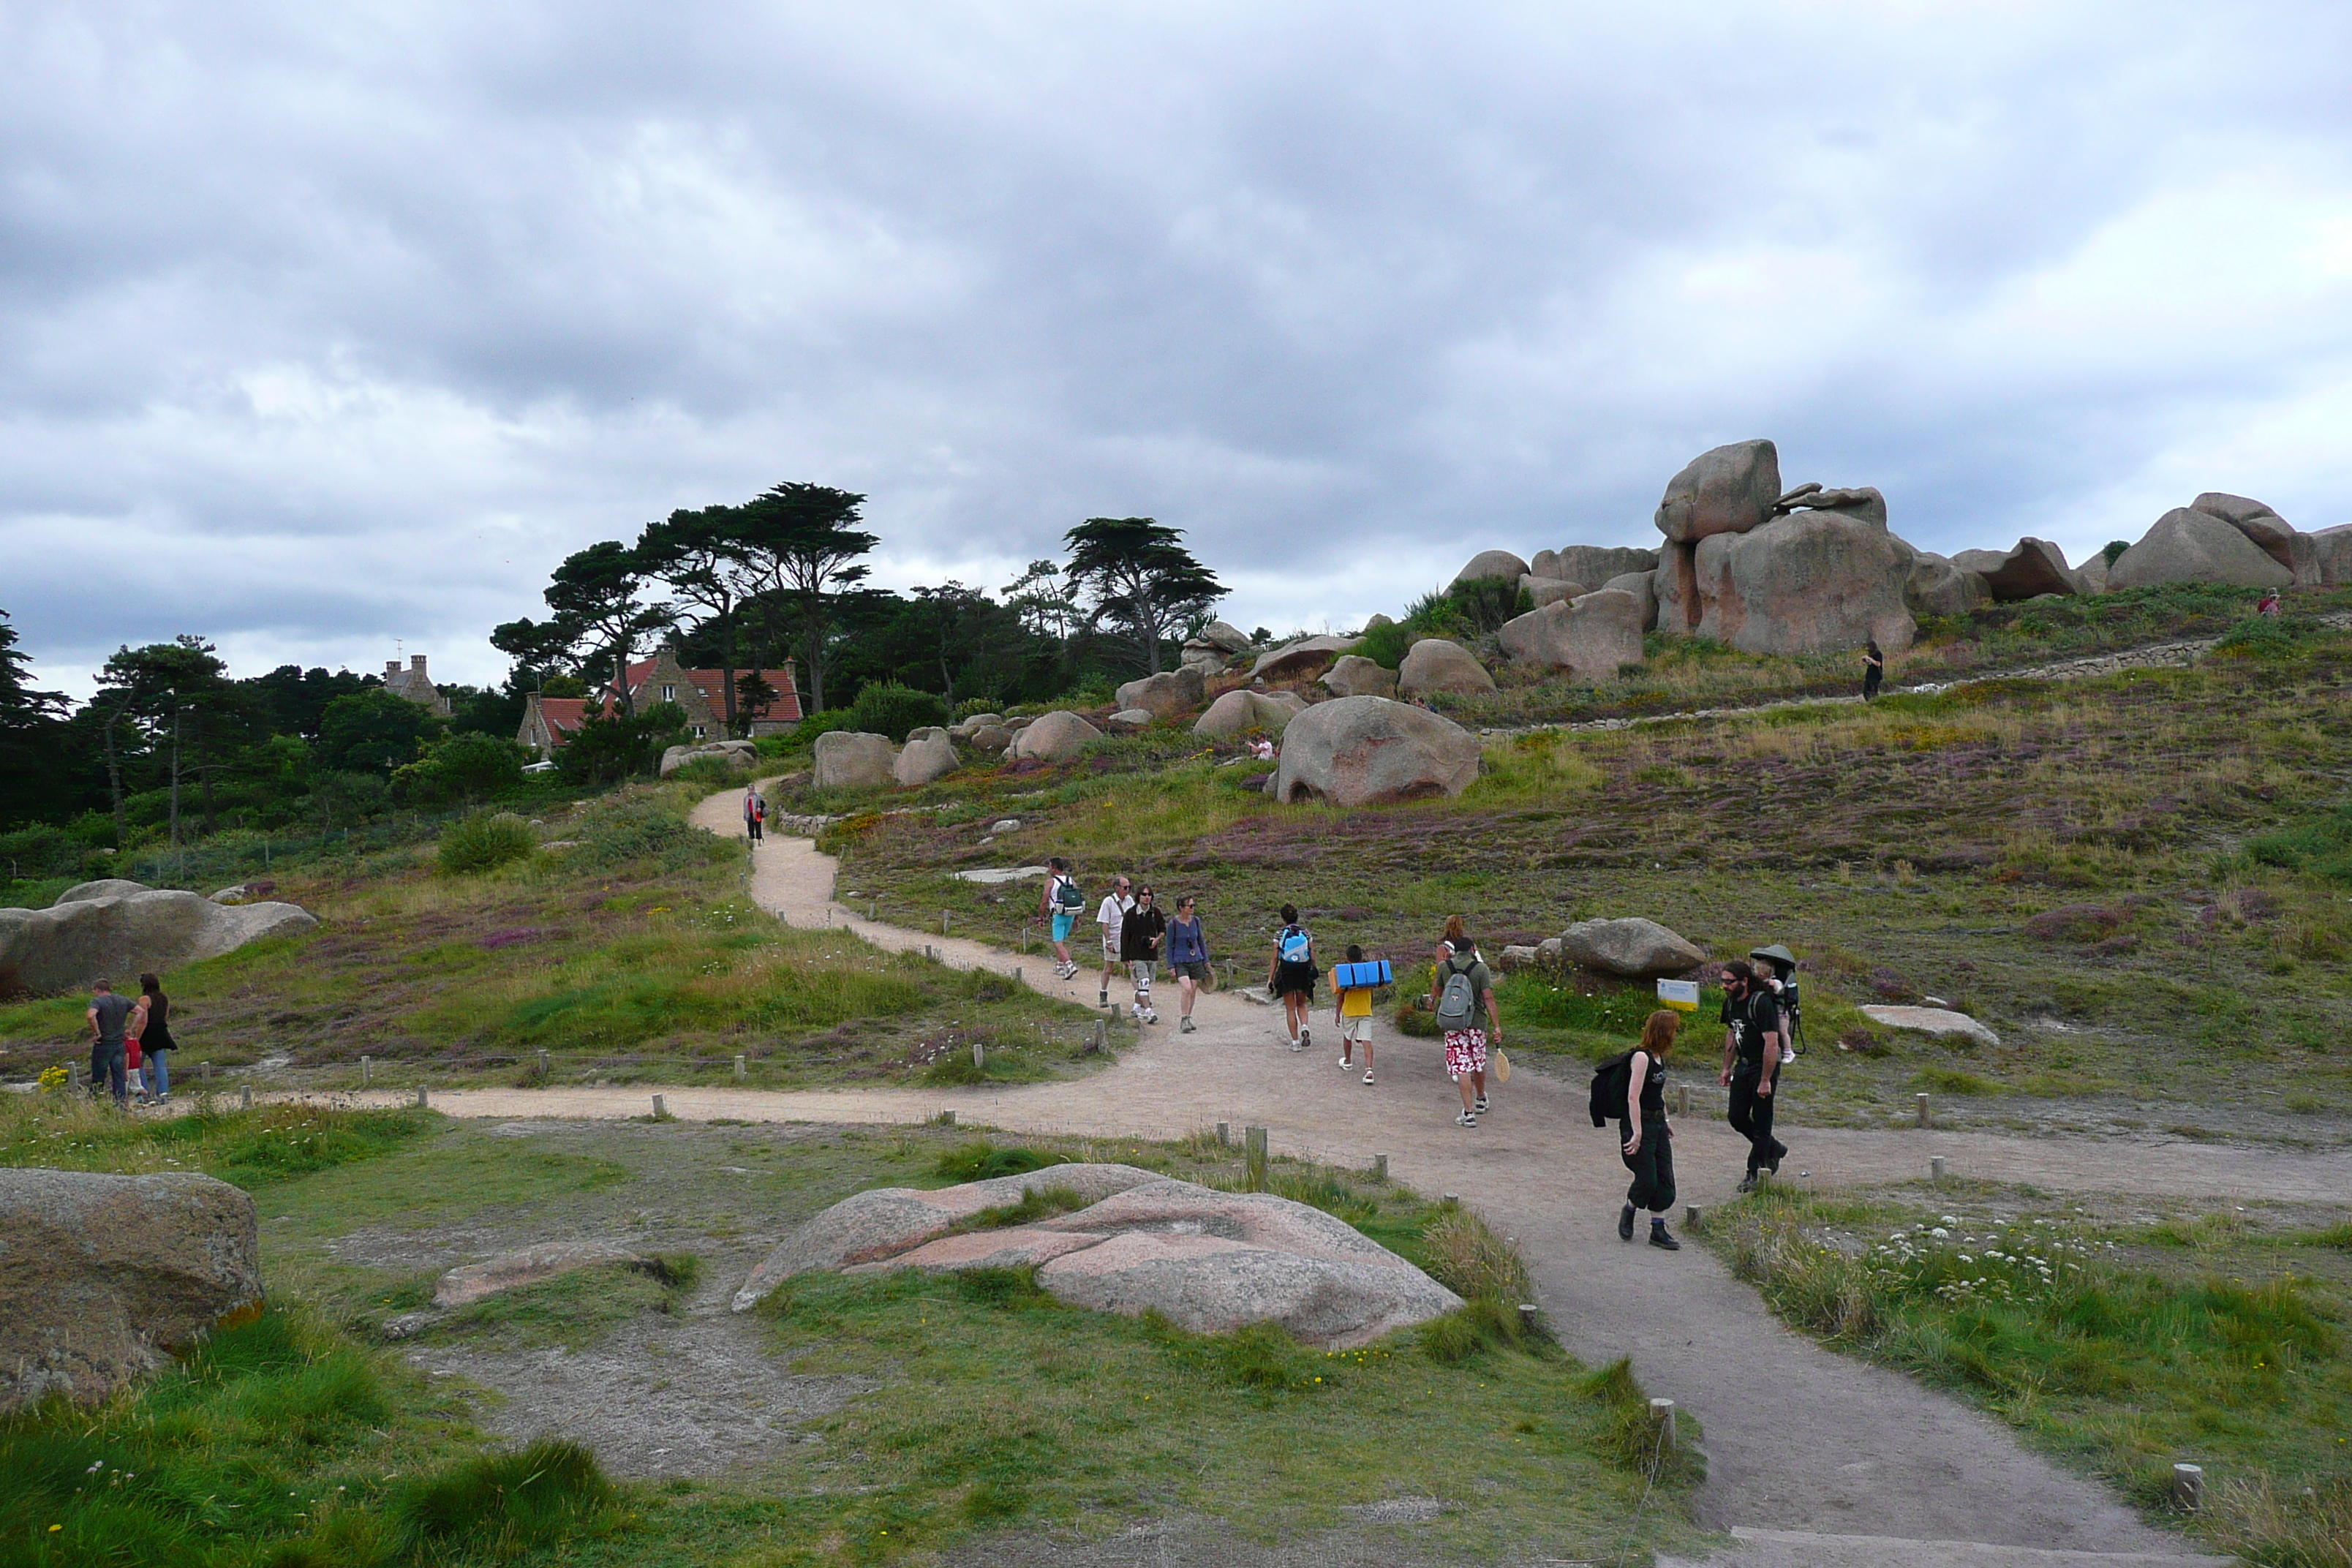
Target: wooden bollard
1923, 1110
208, 1072
947, 1119
1529, 1315
245, 1098
660, 1109
1224, 1134
1682, 1099
367, 1071
1936, 1169
2189, 1488
1454, 1198
978, 1054
1017, 974
1662, 1422
1379, 1167
1102, 1037
943, 923
742, 1069
538, 1061
1694, 1217
1253, 1138
424, 1099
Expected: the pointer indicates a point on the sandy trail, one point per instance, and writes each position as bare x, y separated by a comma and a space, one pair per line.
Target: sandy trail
1798, 1438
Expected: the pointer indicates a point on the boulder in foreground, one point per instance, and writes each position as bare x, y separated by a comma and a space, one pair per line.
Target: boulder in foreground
101, 1276
1362, 751
1637, 948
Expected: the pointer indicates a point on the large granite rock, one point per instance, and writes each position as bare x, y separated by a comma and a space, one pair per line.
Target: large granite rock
1204, 658
1361, 750
2266, 530
1937, 586
464, 1285
1810, 581
1592, 638
883, 1222
1643, 586
2331, 551
734, 754
116, 928
2191, 546
1729, 489
1356, 676
853, 759
103, 1275
1055, 737
991, 737
1495, 563
1167, 694
1542, 591
928, 755
1935, 1021
2033, 568
1208, 1261
1435, 664
1637, 948
964, 729
1593, 562
1300, 660
1227, 638
1239, 712
2091, 577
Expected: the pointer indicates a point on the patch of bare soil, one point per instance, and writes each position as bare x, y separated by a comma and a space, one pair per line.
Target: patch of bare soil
1185, 1540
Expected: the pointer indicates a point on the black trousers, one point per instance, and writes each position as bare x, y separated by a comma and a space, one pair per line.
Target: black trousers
1652, 1165
752, 828
1752, 1118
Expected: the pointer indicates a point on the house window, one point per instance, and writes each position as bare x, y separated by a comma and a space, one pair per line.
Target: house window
697, 732
669, 693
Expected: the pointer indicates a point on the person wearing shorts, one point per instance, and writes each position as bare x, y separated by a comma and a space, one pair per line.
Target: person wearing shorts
1465, 1049
1063, 911
1352, 1009
1292, 975
1139, 937
1111, 917
1188, 959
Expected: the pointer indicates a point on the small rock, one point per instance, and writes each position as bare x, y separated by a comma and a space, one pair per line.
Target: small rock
1936, 1021
1006, 825
464, 1286
1638, 948
1131, 719
408, 1325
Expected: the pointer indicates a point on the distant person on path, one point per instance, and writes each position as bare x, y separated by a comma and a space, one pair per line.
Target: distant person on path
110, 1027
1061, 904
1139, 937
755, 812
1874, 670
1777, 970
1111, 917
1351, 1010
1460, 989
155, 1041
1646, 1145
1292, 975
1188, 959
1751, 1065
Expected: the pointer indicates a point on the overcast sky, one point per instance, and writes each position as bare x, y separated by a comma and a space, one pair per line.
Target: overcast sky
326, 326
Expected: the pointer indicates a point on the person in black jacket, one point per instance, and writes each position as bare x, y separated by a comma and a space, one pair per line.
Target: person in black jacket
155, 1041
1140, 936
1647, 1146
1751, 1065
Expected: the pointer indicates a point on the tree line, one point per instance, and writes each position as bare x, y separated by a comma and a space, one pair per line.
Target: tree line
172, 748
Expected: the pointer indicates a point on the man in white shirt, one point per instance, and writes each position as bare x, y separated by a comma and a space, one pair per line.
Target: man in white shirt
1112, 918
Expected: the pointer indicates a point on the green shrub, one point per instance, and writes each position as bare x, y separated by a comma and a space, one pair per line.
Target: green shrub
509, 1504
824, 723
486, 841
636, 828
1480, 1324
979, 1161
2320, 846
1386, 646
470, 766
2270, 637
887, 708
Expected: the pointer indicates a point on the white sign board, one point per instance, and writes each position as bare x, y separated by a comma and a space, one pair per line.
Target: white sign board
1680, 995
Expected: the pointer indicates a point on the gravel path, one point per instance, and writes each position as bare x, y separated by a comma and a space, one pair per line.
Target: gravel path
1798, 1438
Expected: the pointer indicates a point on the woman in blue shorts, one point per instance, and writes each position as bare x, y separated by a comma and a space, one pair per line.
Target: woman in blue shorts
1062, 908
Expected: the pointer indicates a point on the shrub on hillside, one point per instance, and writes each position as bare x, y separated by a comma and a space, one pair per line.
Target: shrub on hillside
471, 766
806, 731
617, 831
887, 708
486, 841
609, 748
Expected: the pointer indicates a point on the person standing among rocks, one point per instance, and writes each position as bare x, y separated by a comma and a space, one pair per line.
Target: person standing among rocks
1292, 974
1139, 937
1188, 959
112, 1020
1112, 916
1874, 670
1751, 1065
1460, 988
155, 1041
1061, 905
1645, 1144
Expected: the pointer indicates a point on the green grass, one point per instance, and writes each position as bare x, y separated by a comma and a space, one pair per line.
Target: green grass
2105, 1358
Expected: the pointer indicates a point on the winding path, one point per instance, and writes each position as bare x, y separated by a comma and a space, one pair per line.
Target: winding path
1814, 1455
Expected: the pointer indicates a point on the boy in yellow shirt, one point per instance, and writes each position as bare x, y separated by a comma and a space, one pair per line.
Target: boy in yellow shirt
1352, 1011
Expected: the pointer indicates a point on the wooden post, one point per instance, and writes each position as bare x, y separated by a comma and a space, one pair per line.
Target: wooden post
947, 1119
2189, 1488
1102, 1037
1016, 975
978, 1054
245, 1098
542, 1063
423, 1100
208, 1073
1662, 1422
1694, 1217
1454, 1198
1529, 1313
1923, 1110
367, 1071
742, 1069
1254, 1139
1379, 1167
1682, 1099
1224, 1134
1936, 1169
660, 1110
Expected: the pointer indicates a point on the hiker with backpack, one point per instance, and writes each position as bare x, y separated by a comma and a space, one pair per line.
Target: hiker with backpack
1631, 1090
1112, 918
1292, 974
1460, 988
1061, 904
1751, 1065
1783, 980
1351, 1011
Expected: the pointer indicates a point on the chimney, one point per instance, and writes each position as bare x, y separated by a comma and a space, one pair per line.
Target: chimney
391, 670
417, 663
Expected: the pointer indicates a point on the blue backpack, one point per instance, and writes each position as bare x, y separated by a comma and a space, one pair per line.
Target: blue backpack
1296, 946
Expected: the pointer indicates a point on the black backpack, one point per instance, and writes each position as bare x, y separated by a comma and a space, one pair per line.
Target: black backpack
1613, 1080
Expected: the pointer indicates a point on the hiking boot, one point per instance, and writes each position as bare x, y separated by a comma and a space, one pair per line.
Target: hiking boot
1102, 998
1748, 1184
1773, 1164
1625, 1224
1467, 1119
1659, 1238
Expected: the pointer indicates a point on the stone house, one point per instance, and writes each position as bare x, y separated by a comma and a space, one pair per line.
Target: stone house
549, 722
414, 684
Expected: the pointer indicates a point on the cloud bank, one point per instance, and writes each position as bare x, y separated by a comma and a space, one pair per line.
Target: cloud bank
321, 328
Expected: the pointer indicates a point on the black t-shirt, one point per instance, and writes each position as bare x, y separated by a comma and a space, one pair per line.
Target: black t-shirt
1654, 1089
1749, 1021
1140, 933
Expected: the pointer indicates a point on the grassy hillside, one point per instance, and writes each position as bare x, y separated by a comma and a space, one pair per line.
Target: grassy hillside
627, 948
2139, 879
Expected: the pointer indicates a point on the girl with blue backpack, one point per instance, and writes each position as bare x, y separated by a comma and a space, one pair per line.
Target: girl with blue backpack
1292, 976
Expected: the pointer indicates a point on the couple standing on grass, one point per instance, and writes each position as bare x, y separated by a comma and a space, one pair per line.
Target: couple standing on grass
1758, 1004
1135, 930
129, 1036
